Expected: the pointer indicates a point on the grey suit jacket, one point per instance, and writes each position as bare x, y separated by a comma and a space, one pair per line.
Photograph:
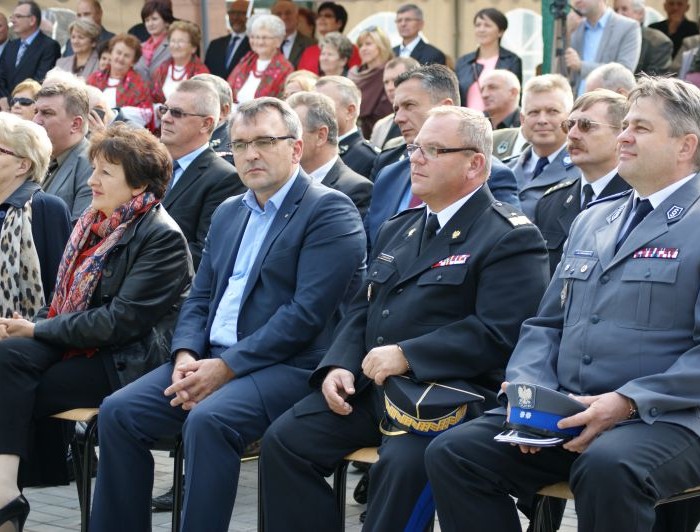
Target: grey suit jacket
624, 321
161, 54
621, 43
353, 185
657, 52
69, 182
531, 190
301, 43
66, 63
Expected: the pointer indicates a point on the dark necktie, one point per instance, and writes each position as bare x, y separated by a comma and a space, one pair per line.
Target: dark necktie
431, 227
176, 167
53, 166
231, 50
587, 195
541, 163
640, 212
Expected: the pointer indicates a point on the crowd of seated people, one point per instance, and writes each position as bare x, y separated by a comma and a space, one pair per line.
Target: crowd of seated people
210, 223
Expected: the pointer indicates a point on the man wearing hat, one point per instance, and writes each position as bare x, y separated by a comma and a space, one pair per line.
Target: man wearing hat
448, 286
617, 329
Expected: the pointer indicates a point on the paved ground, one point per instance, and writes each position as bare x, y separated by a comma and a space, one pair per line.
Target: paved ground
56, 509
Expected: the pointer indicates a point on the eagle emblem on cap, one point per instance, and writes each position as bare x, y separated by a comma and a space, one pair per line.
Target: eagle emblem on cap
525, 397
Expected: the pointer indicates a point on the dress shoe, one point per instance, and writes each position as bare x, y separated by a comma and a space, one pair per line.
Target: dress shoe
360, 493
15, 512
163, 503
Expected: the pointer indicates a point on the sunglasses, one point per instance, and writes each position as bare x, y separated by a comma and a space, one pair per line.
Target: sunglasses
24, 102
584, 125
175, 112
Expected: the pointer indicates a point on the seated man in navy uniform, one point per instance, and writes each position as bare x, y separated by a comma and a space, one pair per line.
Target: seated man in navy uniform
449, 285
618, 330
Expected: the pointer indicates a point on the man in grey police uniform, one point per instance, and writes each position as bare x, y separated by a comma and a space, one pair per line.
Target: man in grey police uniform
618, 329
436, 306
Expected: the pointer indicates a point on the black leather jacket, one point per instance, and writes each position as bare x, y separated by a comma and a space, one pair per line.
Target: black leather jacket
468, 70
132, 313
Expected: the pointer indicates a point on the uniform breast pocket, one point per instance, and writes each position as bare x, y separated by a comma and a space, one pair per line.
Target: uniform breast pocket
647, 297
574, 275
446, 276
379, 272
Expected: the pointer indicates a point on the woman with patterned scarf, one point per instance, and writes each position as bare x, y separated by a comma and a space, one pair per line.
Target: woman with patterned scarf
34, 225
123, 275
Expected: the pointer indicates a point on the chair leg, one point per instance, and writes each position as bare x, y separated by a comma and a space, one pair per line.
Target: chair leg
178, 484
542, 520
86, 488
339, 483
261, 516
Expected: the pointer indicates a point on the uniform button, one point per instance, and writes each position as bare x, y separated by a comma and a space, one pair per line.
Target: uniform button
595, 319
439, 277
374, 273
587, 359
385, 313
380, 340
604, 279
399, 290
654, 411
647, 274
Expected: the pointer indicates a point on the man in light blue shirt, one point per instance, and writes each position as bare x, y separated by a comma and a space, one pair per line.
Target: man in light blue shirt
277, 263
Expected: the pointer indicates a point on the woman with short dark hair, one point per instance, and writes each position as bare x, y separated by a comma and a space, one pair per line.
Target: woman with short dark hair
121, 280
157, 16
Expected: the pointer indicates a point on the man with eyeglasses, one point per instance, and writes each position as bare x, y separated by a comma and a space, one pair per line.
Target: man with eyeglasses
277, 263
201, 179
30, 56
224, 53
449, 285
409, 23
592, 129
616, 329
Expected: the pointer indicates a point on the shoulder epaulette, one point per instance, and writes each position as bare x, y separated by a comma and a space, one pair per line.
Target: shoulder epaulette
559, 186
514, 217
410, 210
371, 146
610, 198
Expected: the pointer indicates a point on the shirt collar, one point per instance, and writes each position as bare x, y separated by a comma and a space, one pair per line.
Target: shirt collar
448, 212
20, 196
186, 160
29, 40
275, 201
602, 21
410, 46
320, 173
599, 184
343, 137
657, 198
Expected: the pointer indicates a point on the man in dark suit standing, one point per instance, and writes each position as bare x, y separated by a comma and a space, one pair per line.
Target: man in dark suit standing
31, 55
355, 150
593, 126
294, 43
201, 179
449, 285
277, 263
320, 156
409, 23
224, 53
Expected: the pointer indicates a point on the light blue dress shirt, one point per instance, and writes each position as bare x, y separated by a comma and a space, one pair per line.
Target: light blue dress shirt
591, 41
225, 325
185, 161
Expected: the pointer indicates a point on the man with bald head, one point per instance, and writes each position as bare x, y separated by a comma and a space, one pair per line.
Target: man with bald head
613, 77
294, 42
500, 90
225, 52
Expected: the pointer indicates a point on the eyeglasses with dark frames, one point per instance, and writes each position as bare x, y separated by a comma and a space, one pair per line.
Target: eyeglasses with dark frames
176, 112
259, 144
24, 102
584, 124
432, 152
8, 152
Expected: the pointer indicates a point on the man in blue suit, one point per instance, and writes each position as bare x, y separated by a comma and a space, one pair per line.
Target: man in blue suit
276, 264
417, 92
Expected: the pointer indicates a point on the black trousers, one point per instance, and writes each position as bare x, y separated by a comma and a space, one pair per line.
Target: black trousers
303, 446
616, 481
35, 382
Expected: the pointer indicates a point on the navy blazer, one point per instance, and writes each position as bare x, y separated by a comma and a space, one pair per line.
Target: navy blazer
424, 53
215, 58
314, 250
468, 70
393, 181
38, 59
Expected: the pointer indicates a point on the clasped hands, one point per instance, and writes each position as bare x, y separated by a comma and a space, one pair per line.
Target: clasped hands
378, 364
603, 412
16, 326
194, 380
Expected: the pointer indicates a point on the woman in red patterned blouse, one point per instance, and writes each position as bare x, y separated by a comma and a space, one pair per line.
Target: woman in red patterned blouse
183, 38
263, 70
121, 85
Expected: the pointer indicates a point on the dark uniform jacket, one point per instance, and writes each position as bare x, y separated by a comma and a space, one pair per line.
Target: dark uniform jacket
556, 210
352, 184
358, 153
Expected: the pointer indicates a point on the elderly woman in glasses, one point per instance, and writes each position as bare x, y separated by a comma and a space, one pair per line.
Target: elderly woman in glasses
23, 99
375, 51
84, 35
123, 275
263, 70
121, 84
183, 39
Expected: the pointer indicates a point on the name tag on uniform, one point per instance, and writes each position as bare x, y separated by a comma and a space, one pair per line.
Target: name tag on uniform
656, 253
385, 258
452, 261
